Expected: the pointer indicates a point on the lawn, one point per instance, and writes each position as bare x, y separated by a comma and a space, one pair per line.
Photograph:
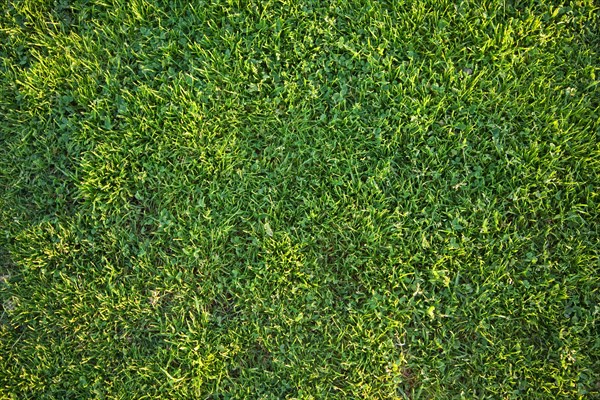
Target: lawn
299, 199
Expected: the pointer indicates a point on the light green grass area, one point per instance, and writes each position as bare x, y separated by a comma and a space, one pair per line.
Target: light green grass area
299, 199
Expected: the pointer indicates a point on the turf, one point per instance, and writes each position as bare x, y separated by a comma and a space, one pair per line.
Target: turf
299, 200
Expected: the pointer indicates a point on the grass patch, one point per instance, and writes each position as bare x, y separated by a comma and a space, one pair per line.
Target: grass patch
281, 199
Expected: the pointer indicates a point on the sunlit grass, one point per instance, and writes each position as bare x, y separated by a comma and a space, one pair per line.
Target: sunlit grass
352, 199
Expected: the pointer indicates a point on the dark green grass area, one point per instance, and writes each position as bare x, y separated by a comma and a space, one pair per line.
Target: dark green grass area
299, 200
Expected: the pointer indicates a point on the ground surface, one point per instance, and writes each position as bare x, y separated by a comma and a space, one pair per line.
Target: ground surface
282, 199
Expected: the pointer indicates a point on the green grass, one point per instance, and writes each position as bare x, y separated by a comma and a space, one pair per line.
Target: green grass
299, 200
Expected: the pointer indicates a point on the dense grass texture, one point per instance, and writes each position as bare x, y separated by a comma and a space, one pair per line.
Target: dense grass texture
299, 199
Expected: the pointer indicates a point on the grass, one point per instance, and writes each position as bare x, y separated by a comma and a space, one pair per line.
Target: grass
301, 200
